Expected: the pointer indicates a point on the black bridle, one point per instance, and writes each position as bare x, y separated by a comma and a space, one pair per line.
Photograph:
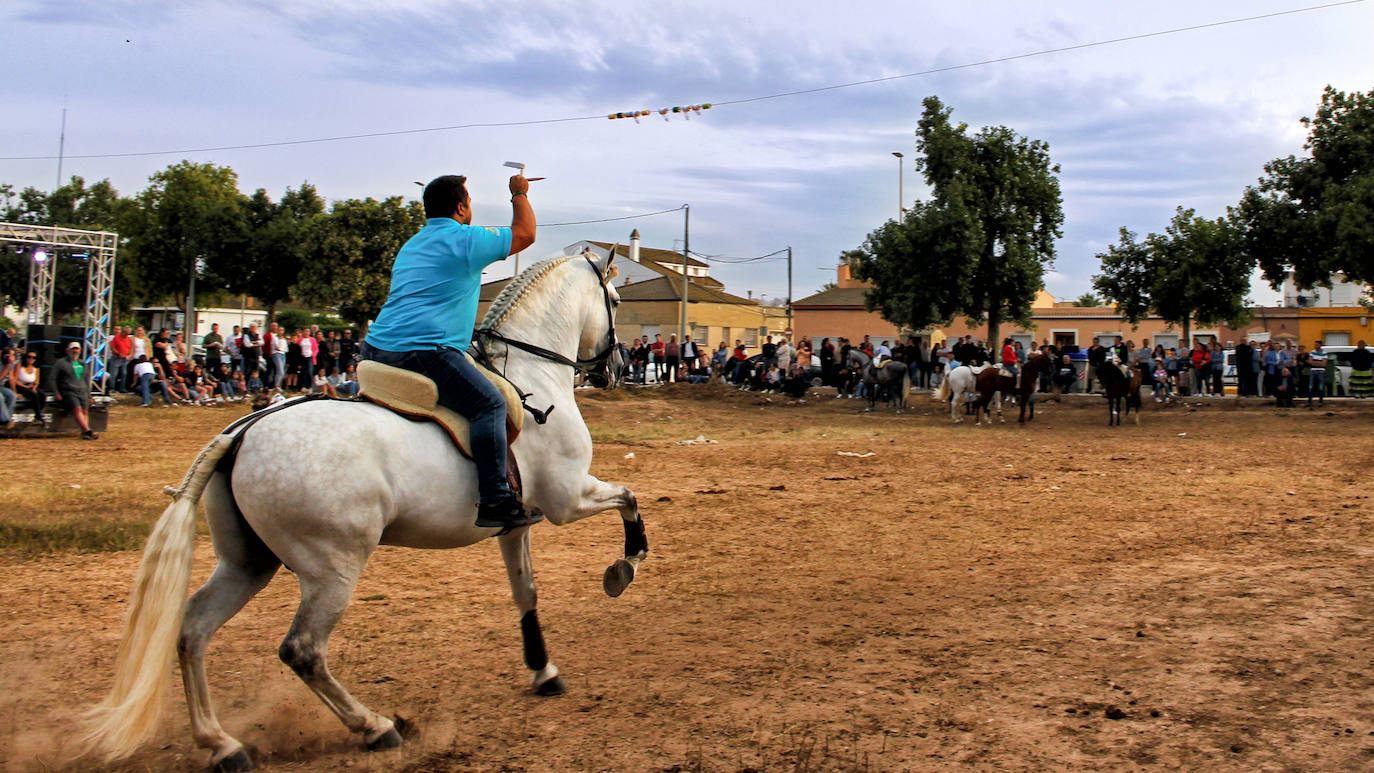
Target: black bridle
597, 367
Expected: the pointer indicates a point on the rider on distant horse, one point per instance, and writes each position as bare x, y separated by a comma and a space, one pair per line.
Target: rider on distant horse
1009, 357
426, 326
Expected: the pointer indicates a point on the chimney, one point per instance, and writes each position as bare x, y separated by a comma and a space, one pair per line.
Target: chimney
634, 245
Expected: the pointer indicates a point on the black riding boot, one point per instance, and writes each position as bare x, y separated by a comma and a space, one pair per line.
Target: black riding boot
506, 514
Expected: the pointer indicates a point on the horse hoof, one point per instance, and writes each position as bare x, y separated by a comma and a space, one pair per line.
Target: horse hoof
388, 740
618, 577
550, 687
237, 762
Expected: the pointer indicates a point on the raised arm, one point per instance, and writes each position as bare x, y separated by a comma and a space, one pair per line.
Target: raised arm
522, 226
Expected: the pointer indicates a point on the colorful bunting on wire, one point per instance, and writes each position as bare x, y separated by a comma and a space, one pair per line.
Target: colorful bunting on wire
667, 112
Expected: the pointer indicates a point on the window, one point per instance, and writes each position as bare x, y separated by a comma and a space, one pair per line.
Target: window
700, 334
1336, 339
1166, 340
1106, 339
751, 337
1063, 338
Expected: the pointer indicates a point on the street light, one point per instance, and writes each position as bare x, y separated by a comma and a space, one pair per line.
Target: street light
901, 210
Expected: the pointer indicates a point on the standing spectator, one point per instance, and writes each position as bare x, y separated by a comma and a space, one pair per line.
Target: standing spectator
1097, 355
293, 360
347, 348
24, 382
1245, 369
1161, 379
827, 362
116, 370
639, 359
279, 350
72, 391
1302, 371
8, 365
141, 347
332, 350
740, 357
1201, 360
1218, 356
214, 348
176, 353
720, 360
306, 380
1361, 360
691, 355
269, 342
672, 355
1272, 363
656, 357
161, 355
769, 351
251, 347
235, 348
1316, 379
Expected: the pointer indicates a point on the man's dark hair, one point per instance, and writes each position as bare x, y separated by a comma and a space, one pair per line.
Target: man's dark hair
443, 195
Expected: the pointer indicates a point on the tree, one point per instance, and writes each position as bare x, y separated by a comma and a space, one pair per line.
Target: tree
1195, 270
1312, 215
192, 218
349, 251
1087, 300
73, 205
980, 246
271, 262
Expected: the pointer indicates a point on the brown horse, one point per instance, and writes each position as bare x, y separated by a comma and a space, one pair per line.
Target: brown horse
1119, 387
991, 382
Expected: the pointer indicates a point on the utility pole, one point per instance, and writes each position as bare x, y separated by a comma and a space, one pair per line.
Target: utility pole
901, 209
682, 321
789, 291
61, 143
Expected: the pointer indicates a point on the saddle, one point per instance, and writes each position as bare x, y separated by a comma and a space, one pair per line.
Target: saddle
416, 397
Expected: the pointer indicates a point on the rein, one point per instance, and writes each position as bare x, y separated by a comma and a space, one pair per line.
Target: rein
599, 360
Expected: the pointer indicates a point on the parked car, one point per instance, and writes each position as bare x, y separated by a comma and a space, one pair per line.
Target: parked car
813, 372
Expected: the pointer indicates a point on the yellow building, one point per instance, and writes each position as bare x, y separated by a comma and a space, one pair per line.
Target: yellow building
649, 282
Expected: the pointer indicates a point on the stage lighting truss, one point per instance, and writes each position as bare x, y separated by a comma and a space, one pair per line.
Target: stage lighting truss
45, 245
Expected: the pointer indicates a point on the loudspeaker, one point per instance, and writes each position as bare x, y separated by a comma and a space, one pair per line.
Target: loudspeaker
49, 342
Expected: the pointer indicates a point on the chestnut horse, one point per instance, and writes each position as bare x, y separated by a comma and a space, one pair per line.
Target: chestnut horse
992, 383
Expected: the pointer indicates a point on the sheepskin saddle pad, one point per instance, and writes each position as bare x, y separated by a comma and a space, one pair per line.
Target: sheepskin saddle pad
416, 397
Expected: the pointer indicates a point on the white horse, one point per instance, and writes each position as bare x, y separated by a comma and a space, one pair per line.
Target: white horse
375, 478
959, 385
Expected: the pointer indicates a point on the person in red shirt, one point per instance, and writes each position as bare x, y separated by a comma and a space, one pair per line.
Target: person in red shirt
116, 376
1009, 359
656, 349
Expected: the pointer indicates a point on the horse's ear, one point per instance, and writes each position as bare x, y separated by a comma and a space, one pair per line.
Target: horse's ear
608, 271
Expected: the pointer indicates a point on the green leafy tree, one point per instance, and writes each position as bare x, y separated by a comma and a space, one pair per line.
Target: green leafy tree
1195, 270
271, 262
1312, 215
349, 251
1087, 300
73, 205
192, 220
980, 246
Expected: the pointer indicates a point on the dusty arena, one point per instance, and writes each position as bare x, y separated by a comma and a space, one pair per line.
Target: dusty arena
827, 590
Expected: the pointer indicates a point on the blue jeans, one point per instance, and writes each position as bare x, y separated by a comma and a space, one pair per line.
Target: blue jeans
7, 401
463, 389
278, 368
145, 389
1316, 385
116, 375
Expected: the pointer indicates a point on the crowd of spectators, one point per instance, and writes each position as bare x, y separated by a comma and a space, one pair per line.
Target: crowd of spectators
1284, 373
244, 365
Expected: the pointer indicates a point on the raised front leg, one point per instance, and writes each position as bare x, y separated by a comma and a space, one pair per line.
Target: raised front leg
598, 496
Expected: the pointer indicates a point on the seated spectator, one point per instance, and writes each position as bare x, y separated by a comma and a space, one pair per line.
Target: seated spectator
1161, 377
347, 385
24, 382
8, 398
1284, 387
323, 387
254, 384
226, 380
146, 378
1065, 375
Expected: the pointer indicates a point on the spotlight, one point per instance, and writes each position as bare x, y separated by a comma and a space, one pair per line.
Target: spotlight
40, 256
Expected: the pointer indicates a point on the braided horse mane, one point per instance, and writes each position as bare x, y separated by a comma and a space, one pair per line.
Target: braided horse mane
515, 291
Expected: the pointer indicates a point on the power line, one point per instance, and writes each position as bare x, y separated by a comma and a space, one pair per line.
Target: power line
734, 260
746, 100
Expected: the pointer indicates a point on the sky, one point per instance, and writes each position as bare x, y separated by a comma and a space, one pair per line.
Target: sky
1138, 127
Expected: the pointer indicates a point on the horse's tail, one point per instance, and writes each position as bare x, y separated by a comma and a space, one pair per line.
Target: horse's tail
943, 393
906, 386
129, 714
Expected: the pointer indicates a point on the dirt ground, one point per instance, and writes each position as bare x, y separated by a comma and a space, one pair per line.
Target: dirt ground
1192, 593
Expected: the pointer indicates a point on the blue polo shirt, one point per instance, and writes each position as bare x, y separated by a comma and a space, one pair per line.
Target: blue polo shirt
434, 286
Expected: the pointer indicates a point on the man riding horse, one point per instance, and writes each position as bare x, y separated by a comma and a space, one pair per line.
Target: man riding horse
427, 321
